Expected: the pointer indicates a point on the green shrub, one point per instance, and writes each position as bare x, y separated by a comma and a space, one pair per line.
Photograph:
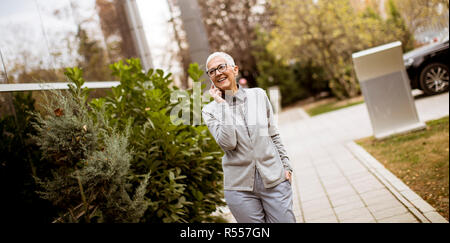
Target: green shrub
151, 171
184, 161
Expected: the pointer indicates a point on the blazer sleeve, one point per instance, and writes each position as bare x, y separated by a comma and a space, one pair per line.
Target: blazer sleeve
220, 124
275, 135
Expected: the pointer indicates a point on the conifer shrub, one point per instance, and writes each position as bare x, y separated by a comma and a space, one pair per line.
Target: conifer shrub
90, 165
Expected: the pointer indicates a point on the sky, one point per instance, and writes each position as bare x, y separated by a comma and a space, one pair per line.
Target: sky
21, 22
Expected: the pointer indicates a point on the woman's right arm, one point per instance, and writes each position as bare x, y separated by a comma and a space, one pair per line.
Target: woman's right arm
221, 125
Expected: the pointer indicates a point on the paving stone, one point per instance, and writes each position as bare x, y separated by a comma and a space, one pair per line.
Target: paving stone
316, 205
368, 219
312, 196
349, 206
359, 213
333, 181
435, 217
341, 191
343, 156
397, 184
388, 212
330, 219
421, 217
306, 171
359, 176
305, 186
327, 161
384, 204
367, 185
319, 215
354, 171
342, 200
404, 218
364, 177
381, 199
383, 192
423, 206
410, 195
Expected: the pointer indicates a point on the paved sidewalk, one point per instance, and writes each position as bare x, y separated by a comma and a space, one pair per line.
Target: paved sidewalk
338, 181
335, 180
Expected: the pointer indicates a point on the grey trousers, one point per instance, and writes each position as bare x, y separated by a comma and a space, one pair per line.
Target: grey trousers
262, 205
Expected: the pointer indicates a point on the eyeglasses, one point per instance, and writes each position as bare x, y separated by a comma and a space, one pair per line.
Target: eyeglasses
212, 72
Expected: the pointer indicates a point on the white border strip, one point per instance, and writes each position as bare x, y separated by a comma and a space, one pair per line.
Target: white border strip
51, 86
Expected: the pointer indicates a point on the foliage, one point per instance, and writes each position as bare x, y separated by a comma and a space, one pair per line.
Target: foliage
90, 165
183, 160
398, 28
21, 159
296, 81
230, 25
420, 15
93, 57
328, 32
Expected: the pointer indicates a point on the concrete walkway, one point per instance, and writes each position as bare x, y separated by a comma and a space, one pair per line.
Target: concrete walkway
338, 181
335, 180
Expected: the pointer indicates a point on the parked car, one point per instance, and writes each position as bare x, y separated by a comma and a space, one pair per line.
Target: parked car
428, 68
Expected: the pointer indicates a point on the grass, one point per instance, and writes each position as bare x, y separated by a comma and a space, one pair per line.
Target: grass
331, 105
420, 159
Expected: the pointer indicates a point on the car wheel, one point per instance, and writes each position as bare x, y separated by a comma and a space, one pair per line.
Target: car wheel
434, 78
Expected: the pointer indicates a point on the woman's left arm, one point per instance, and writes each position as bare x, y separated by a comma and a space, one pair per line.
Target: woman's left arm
275, 135
281, 151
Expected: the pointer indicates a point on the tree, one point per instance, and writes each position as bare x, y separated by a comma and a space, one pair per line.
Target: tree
230, 25
93, 57
296, 81
328, 32
323, 32
422, 14
180, 38
115, 30
396, 24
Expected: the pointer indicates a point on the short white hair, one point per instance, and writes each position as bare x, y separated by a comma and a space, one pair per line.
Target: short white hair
227, 57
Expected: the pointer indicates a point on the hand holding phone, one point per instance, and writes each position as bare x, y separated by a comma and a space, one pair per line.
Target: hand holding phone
216, 93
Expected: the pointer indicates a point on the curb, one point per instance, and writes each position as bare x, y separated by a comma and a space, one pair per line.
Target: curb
423, 211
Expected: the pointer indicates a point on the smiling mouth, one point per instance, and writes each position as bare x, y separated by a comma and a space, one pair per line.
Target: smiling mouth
222, 79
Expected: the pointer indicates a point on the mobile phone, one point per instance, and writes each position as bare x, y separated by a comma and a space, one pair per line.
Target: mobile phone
222, 92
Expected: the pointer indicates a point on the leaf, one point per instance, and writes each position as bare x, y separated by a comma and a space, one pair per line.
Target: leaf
58, 112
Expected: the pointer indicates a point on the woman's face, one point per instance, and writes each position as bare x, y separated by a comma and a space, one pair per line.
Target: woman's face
223, 80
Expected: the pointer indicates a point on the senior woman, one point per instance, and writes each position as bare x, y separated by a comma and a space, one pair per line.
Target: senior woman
257, 173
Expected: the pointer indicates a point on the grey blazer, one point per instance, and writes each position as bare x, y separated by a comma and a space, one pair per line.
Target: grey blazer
244, 127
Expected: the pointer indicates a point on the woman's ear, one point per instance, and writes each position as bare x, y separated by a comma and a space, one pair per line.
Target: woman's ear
236, 70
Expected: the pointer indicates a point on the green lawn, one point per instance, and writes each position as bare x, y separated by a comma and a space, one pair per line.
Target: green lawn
330, 106
420, 159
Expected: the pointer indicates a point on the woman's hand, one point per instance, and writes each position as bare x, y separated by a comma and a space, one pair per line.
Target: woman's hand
288, 176
216, 94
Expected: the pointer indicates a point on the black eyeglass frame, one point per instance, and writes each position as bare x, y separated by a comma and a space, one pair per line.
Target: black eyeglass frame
213, 70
